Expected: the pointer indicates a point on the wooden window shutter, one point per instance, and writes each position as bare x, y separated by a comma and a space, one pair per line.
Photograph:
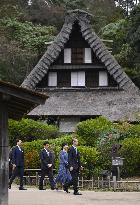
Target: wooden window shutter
81, 78
52, 79
78, 78
67, 55
88, 56
103, 78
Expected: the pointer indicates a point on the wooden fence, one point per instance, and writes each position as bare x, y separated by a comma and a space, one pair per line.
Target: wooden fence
33, 175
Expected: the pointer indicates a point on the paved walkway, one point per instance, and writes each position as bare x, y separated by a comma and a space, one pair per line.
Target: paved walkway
48, 197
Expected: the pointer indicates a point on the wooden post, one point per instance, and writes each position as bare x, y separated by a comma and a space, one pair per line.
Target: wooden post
4, 153
37, 178
114, 183
92, 182
98, 182
118, 171
82, 182
102, 183
109, 185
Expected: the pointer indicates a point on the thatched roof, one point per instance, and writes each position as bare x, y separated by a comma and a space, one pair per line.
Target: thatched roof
113, 104
98, 47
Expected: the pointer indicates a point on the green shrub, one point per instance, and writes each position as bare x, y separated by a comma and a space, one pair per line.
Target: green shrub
90, 131
135, 131
105, 150
32, 160
89, 160
28, 130
131, 152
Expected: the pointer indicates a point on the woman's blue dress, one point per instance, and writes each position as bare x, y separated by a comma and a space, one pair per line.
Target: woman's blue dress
64, 175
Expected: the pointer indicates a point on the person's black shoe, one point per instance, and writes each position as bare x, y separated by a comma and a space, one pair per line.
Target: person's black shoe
65, 188
53, 188
22, 188
77, 193
42, 189
9, 186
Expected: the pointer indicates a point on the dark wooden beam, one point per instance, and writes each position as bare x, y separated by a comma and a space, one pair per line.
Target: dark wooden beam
20, 108
4, 153
77, 67
24, 104
22, 93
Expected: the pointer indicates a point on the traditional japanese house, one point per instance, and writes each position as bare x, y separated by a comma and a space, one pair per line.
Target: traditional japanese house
82, 78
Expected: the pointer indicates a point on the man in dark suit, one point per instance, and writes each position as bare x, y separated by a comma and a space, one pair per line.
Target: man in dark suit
74, 164
46, 157
17, 159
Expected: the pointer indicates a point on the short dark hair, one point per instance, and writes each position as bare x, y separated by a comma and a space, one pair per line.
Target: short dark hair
46, 142
63, 144
17, 140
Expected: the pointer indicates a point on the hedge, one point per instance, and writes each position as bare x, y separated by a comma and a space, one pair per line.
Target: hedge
94, 130
28, 130
131, 152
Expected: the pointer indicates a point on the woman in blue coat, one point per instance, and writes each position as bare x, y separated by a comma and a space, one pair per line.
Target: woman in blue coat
64, 176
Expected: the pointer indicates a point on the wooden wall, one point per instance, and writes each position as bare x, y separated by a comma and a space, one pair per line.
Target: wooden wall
76, 41
64, 79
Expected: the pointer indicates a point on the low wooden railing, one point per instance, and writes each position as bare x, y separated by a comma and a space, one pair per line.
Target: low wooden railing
32, 176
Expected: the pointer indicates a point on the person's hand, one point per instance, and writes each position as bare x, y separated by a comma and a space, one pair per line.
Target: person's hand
71, 168
14, 166
81, 168
49, 165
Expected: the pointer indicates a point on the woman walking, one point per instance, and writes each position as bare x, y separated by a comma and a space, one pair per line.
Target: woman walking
64, 176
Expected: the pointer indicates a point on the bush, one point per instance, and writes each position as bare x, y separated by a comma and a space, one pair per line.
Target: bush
103, 134
124, 129
90, 131
28, 130
89, 160
105, 150
135, 131
131, 153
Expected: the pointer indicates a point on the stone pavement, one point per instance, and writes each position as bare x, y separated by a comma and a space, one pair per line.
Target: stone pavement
33, 196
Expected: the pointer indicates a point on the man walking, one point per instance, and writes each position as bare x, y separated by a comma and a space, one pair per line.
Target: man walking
46, 157
74, 164
17, 159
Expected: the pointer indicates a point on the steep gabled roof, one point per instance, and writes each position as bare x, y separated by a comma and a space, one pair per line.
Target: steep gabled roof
98, 47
